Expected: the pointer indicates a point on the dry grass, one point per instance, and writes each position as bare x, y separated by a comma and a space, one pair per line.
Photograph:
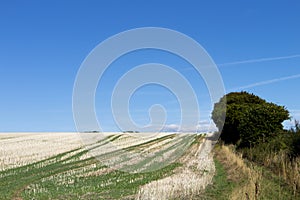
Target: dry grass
291, 172
256, 182
248, 177
286, 168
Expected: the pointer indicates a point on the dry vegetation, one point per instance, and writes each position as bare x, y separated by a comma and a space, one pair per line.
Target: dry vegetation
238, 171
285, 167
18, 149
56, 166
189, 180
253, 181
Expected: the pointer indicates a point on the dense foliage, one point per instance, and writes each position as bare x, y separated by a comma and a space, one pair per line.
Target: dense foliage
249, 119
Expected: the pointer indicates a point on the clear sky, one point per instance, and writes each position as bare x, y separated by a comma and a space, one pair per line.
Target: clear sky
255, 44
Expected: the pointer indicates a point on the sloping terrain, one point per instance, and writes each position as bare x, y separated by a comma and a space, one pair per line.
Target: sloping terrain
116, 166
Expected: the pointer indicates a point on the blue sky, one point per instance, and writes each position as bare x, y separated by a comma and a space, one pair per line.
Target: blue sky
255, 45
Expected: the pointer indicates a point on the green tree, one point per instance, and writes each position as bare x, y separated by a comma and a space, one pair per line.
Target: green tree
249, 119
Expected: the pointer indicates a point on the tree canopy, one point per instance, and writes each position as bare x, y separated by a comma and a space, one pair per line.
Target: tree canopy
249, 119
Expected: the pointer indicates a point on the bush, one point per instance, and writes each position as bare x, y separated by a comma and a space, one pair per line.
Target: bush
249, 119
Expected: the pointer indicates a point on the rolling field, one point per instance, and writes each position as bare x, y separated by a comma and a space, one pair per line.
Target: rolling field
110, 166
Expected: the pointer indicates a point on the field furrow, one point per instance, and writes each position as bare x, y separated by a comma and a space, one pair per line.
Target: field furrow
114, 166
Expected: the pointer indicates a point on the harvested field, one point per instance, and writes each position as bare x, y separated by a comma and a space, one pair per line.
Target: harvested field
113, 166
